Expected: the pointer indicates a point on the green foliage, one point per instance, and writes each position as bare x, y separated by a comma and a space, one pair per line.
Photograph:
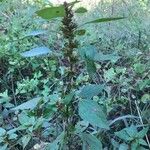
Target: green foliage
131, 135
90, 91
81, 10
104, 20
90, 111
73, 81
90, 141
36, 52
52, 12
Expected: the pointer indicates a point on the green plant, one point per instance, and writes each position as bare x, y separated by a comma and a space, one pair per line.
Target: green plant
69, 93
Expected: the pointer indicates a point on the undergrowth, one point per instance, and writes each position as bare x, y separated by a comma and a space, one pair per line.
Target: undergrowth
72, 78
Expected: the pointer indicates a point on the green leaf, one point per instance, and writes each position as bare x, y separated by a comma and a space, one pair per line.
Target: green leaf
142, 142
123, 146
145, 98
92, 142
38, 51
4, 147
81, 126
139, 68
25, 119
109, 74
142, 133
4, 98
108, 57
80, 32
90, 111
90, 66
123, 135
88, 52
25, 140
31, 104
68, 98
36, 33
2, 132
91, 90
56, 144
81, 10
104, 20
52, 12
131, 131
13, 136
134, 145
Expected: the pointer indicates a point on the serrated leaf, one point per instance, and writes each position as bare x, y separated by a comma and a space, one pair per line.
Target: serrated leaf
31, 104
92, 142
104, 20
51, 12
36, 52
91, 90
81, 10
25, 140
90, 111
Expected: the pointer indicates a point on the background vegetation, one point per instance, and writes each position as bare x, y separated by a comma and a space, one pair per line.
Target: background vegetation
94, 97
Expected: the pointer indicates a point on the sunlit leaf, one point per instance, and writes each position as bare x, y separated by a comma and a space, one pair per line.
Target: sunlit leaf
36, 33
36, 52
81, 10
105, 20
52, 12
